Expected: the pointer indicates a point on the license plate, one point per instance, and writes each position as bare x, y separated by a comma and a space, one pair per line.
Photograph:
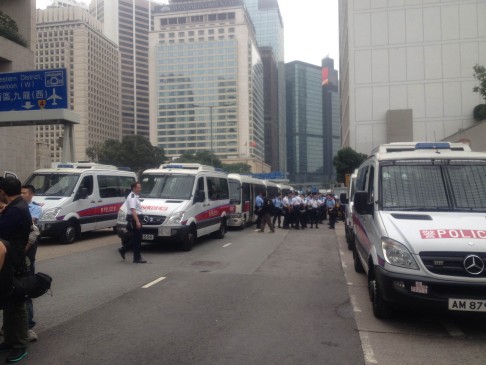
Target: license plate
467, 305
164, 232
148, 237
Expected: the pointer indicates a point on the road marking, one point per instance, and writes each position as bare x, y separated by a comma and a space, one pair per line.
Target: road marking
227, 245
148, 285
453, 330
353, 303
369, 355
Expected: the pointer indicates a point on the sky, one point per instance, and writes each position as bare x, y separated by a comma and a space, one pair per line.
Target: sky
311, 29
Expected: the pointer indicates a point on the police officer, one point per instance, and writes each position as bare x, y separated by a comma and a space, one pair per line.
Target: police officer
277, 211
134, 222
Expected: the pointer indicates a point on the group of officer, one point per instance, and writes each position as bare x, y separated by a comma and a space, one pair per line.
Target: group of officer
302, 210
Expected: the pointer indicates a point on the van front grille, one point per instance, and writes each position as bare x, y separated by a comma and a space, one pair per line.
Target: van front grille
455, 263
152, 220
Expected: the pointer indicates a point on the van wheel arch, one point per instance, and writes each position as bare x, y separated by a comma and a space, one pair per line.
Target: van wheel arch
70, 232
223, 227
189, 238
381, 308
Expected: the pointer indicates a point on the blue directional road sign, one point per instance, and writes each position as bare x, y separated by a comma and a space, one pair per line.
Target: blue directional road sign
33, 90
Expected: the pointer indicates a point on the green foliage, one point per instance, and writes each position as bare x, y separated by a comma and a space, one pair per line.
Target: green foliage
237, 168
479, 112
9, 30
480, 74
202, 157
135, 152
346, 161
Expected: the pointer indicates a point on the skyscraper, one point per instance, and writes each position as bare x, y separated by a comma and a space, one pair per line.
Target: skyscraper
305, 132
206, 82
127, 23
269, 26
406, 69
331, 118
69, 37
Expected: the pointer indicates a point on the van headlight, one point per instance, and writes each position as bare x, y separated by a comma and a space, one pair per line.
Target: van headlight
50, 214
397, 254
176, 218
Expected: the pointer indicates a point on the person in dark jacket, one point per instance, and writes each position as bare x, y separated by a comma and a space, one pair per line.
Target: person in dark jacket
15, 225
266, 212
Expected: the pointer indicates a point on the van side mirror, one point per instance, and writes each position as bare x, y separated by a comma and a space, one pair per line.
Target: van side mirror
81, 194
200, 196
343, 197
361, 203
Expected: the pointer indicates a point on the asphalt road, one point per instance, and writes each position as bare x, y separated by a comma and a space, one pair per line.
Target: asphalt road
249, 298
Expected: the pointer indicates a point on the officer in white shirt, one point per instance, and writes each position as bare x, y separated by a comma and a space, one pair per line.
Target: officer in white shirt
134, 223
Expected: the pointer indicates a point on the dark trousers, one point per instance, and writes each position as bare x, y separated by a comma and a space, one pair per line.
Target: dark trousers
295, 217
286, 215
15, 323
277, 216
28, 302
266, 220
313, 217
259, 219
134, 244
332, 218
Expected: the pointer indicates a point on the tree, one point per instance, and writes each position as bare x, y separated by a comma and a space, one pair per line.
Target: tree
346, 161
480, 74
479, 111
237, 168
134, 152
10, 30
202, 157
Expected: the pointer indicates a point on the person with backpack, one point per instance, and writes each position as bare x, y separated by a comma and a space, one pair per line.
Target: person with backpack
266, 214
15, 226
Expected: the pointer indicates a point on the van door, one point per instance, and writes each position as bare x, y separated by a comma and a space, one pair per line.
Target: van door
85, 202
111, 189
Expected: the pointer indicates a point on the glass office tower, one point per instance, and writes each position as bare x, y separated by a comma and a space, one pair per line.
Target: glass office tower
268, 22
206, 82
305, 131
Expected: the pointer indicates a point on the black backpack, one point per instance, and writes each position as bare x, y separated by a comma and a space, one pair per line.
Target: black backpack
31, 285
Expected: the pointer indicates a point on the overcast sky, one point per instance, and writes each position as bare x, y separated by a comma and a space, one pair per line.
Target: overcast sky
311, 29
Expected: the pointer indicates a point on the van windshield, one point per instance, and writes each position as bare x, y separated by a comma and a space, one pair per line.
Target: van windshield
53, 184
167, 186
434, 185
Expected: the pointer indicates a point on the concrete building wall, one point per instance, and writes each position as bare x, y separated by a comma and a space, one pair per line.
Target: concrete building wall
17, 144
416, 55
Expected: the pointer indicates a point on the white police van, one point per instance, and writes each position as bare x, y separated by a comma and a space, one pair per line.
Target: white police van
420, 226
79, 197
182, 202
348, 210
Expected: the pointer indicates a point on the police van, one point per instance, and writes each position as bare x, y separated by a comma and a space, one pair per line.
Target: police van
420, 227
79, 197
182, 202
348, 210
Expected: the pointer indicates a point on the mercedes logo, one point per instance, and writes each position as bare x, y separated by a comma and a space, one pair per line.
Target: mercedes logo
473, 264
147, 219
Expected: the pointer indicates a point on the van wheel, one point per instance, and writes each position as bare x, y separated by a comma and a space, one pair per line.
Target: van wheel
70, 233
222, 229
358, 266
381, 308
349, 237
189, 239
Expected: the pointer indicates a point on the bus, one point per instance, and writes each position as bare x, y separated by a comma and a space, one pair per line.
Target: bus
243, 192
284, 189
